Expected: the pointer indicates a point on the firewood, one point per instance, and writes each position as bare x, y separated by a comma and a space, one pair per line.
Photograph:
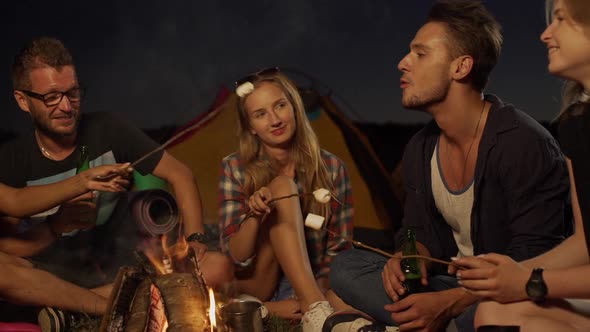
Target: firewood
124, 289
185, 305
139, 313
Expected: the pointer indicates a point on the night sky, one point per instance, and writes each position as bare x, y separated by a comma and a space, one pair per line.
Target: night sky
161, 62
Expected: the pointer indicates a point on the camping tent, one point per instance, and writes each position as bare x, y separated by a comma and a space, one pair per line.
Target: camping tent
202, 149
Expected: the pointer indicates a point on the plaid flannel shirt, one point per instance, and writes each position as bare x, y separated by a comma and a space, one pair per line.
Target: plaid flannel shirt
321, 247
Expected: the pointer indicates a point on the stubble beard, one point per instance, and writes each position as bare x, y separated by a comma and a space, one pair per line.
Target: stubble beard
44, 126
429, 98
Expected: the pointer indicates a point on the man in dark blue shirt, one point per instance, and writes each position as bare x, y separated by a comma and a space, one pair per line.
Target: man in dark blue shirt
481, 177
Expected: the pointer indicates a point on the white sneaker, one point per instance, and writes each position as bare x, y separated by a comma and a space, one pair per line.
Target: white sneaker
314, 318
359, 324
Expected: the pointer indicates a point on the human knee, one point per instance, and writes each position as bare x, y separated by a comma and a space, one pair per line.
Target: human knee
282, 185
218, 270
347, 266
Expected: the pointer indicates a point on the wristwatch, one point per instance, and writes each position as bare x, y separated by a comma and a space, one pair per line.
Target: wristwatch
536, 289
199, 237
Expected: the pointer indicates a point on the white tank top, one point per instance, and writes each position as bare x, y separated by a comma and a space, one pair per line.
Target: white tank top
454, 206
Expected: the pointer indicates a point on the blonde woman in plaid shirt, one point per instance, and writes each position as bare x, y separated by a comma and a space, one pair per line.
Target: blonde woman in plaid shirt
279, 155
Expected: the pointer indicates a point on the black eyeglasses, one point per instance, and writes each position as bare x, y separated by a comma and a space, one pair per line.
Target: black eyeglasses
263, 72
54, 98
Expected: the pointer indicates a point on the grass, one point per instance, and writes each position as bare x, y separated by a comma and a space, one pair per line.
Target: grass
278, 324
271, 324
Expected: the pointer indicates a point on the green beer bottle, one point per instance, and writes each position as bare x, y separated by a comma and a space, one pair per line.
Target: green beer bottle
410, 266
84, 161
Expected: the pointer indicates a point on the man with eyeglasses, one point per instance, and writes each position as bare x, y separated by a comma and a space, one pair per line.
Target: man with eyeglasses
54, 98
47, 88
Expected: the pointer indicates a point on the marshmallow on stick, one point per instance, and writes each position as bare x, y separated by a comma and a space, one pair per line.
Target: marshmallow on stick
314, 221
322, 195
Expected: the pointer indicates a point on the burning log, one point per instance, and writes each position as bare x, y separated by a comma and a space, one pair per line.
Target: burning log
184, 304
145, 301
139, 314
122, 295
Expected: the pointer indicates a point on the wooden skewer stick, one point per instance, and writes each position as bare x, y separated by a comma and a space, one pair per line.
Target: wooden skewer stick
175, 137
251, 214
358, 243
386, 254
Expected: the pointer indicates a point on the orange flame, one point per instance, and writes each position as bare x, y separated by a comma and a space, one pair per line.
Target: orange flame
163, 255
177, 251
212, 317
154, 258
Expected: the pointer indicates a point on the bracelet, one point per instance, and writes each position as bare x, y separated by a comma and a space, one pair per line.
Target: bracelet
198, 237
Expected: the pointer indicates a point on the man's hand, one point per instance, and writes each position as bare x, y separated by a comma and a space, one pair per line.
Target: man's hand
393, 277
78, 213
494, 276
199, 248
423, 311
112, 178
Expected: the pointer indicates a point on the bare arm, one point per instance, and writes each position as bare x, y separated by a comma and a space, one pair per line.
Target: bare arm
40, 235
185, 189
573, 251
22, 202
242, 245
576, 286
502, 279
430, 311
29, 243
238, 236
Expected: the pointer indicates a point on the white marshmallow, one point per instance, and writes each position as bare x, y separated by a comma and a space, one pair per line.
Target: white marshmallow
322, 195
314, 221
244, 89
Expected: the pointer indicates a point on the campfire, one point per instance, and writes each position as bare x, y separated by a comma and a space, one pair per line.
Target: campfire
164, 292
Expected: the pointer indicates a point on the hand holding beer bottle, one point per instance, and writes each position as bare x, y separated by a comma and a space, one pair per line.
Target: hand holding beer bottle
405, 276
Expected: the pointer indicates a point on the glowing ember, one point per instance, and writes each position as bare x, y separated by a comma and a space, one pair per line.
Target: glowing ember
157, 313
212, 317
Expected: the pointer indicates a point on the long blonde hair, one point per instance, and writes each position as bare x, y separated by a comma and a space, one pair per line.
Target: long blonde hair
260, 169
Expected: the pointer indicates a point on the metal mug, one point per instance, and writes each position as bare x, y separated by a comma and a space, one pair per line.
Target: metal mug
243, 316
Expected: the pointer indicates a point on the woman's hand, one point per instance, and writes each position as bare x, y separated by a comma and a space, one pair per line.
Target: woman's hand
258, 201
494, 276
111, 178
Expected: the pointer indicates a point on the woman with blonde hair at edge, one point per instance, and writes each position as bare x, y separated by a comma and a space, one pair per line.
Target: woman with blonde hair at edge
549, 292
278, 260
